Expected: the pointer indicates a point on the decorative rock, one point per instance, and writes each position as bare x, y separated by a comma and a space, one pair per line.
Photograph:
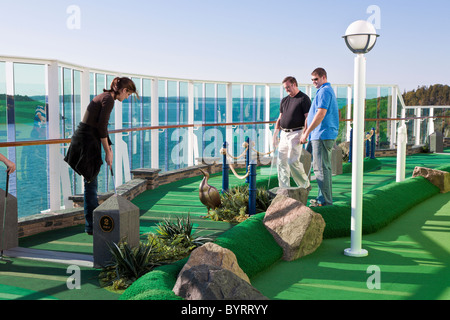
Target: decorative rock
207, 282
440, 179
213, 254
299, 194
295, 227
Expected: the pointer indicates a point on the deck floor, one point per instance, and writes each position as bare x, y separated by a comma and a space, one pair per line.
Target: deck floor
397, 254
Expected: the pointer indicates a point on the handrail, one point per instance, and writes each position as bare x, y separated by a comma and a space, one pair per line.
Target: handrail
400, 119
61, 141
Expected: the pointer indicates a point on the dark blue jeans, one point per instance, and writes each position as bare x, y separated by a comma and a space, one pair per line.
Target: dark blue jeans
90, 203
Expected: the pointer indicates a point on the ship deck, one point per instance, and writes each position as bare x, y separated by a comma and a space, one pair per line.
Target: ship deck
412, 252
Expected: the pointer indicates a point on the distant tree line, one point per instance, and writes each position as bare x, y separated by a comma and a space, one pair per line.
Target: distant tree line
17, 97
434, 95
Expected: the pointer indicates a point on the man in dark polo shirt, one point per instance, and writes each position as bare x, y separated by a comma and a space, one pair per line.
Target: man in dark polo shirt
294, 110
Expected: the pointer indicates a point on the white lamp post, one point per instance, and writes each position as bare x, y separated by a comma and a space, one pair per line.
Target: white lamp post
360, 38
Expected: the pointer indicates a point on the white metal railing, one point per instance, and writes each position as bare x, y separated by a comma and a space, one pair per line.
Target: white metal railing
417, 122
59, 173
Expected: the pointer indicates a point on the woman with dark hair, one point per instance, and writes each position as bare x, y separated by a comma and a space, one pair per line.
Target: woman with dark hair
85, 150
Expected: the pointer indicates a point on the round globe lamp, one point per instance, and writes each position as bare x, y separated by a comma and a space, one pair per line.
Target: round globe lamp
360, 37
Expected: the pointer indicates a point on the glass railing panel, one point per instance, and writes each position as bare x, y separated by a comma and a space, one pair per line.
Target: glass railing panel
183, 101
221, 103
77, 98
248, 104
275, 99
424, 126
31, 179
237, 114
409, 113
260, 101
440, 124
341, 96
67, 107
384, 105
372, 108
199, 103
146, 97
29, 113
210, 114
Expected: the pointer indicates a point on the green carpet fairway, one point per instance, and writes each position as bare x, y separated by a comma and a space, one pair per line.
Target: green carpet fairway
71, 239
412, 256
23, 279
15, 293
180, 199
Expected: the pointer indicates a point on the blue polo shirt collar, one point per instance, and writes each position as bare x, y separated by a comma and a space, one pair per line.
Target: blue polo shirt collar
324, 85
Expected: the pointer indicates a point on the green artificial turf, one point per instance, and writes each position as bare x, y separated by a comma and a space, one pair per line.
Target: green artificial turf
155, 285
249, 240
369, 165
380, 206
256, 250
411, 255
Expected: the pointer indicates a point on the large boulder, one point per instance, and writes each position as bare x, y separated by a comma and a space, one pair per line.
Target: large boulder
213, 254
297, 193
208, 282
296, 228
440, 179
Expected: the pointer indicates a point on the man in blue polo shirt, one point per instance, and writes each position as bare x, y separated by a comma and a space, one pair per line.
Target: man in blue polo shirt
322, 126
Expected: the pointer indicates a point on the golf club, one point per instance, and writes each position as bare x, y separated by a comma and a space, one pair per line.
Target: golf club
114, 182
4, 216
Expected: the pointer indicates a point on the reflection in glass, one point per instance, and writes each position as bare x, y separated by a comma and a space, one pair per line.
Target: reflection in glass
29, 102
30, 123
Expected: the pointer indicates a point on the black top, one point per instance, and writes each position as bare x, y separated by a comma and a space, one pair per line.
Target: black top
293, 110
98, 113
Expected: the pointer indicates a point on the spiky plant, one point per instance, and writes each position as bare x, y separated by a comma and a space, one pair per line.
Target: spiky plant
180, 232
128, 264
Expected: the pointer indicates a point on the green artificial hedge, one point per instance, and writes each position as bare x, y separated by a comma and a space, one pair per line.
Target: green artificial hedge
256, 250
369, 165
380, 207
445, 167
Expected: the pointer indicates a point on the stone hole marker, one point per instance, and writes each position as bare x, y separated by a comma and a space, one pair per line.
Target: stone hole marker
436, 142
116, 219
9, 237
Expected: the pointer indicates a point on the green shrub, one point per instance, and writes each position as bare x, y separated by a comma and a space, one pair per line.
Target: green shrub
234, 204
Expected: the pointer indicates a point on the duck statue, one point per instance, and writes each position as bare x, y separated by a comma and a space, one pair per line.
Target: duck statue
209, 195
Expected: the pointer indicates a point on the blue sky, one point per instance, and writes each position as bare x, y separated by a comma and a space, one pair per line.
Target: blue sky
234, 40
